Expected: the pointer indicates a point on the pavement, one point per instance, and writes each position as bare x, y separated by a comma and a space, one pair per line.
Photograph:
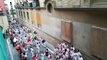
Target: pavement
13, 53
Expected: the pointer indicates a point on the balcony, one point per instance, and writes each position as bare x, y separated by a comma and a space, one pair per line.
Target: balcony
34, 4
30, 5
18, 6
81, 3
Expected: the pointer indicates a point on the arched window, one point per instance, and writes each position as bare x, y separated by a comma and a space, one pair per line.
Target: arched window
27, 15
24, 15
21, 14
37, 2
49, 7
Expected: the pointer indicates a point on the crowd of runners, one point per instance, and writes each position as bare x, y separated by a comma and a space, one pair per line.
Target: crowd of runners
31, 47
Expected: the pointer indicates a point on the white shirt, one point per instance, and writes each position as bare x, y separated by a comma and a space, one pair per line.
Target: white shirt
26, 54
14, 21
42, 56
16, 31
26, 49
72, 48
56, 50
67, 54
80, 58
78, 53
15, 39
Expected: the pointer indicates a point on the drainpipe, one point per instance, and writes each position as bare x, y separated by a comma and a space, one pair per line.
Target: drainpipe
90, 4
80, 4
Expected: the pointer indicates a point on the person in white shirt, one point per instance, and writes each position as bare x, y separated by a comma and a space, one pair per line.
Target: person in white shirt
15, 40
72, 48
38, 47
56, 50
32, 51
50, 57
16, 31
78, 53
26, 55
67, 54
26, 50
64, 56
42, 55
81, 58
71, 54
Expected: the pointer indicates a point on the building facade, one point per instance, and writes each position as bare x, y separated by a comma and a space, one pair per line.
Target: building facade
79, 22
3, 16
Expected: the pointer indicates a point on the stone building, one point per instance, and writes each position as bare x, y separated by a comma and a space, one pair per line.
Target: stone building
3, 16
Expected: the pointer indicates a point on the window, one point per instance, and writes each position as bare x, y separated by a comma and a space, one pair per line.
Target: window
24, 14
27, 15
38, 20
21, 15
30, 5
49, 7
37, 2
32, 17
